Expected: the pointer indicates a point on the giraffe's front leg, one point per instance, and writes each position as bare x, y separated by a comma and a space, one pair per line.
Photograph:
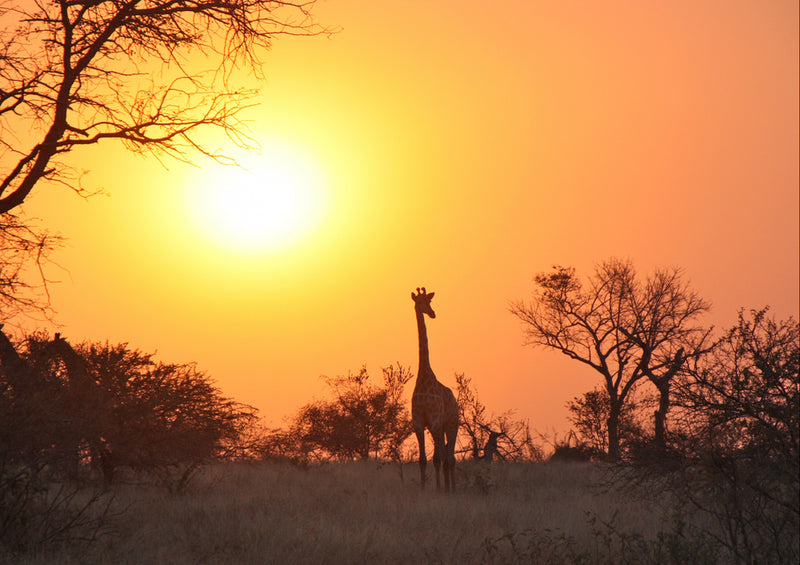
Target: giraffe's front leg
423, 460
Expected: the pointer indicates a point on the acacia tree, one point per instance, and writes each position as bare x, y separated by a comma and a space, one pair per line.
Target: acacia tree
76, 72
157, 415
625, 330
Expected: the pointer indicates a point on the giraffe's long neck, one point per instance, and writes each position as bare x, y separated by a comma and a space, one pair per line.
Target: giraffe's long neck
74, 363
424, 357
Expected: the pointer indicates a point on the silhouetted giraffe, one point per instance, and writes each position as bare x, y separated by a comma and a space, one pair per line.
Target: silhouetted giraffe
433, 405
87, 396
11, 364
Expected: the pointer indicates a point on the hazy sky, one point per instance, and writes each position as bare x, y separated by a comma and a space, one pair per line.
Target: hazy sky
463, 146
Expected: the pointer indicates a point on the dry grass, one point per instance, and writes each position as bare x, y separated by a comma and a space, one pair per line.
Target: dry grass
373, 513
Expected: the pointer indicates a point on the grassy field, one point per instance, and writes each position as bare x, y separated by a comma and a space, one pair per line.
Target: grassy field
376, 513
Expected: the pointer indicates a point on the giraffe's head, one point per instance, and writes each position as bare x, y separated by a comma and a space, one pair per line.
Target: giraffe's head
422, 302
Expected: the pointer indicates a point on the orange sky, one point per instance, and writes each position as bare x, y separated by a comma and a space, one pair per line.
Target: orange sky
465, 147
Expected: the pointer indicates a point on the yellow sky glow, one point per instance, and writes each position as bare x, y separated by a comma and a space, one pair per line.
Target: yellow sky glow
268, 201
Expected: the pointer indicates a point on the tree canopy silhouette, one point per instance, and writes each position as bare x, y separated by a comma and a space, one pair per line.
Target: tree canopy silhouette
77, 72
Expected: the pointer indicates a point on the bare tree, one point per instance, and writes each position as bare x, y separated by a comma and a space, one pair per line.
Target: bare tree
76, 72
625, 330
665, 329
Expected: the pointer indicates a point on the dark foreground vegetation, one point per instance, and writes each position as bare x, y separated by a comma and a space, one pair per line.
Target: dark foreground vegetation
372, 512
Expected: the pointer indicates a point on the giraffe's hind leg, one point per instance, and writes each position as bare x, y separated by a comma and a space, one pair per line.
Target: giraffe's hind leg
450, 461
450, 472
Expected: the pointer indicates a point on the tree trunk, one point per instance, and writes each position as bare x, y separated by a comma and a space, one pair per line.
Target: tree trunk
613, 433
661, 414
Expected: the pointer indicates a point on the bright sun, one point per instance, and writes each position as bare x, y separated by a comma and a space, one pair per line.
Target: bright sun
270, 202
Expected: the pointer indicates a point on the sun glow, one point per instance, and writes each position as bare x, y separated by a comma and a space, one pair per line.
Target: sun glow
270, 202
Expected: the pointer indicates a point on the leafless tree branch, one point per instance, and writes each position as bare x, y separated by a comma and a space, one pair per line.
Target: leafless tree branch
78, 72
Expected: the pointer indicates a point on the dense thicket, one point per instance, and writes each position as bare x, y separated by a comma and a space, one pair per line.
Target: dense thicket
98, 407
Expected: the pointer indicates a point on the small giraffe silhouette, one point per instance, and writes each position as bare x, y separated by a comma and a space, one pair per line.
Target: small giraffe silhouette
490, 451
433, 405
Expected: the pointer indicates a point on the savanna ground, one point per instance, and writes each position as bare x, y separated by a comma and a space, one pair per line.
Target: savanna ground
371, 512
